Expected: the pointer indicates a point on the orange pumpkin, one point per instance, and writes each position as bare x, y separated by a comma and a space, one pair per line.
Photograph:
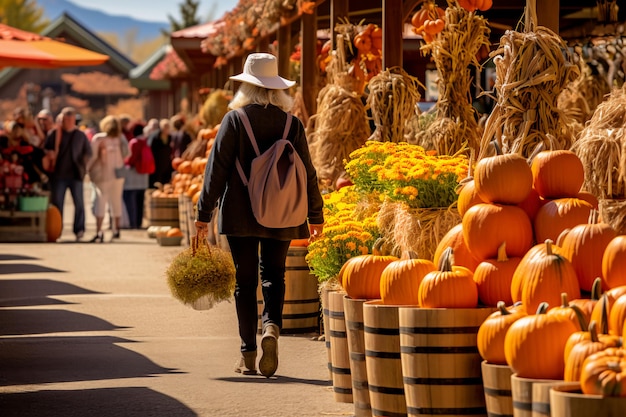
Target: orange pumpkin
491, 334
473, 5
586, 305
54, 223
532, 203
560, 214
548, 167
448, 287
534, 345
604, 373
584, 246
486, 226
493, 278
184, 167
462, 255
617, 316
579, 350
602, 310
589, 198
176, 162
504, 179
543, 275
174, 232
614, 262
468, 196
400, 280
568, 311
360, 276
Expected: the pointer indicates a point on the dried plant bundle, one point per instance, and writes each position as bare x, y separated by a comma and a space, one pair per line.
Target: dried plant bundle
454, 52
532, 69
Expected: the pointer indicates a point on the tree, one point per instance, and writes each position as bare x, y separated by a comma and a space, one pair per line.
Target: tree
189, 15
23, 14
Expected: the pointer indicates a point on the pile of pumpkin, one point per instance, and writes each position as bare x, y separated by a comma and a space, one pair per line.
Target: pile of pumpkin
528, 235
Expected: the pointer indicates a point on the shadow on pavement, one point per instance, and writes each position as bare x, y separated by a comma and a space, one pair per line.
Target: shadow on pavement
105, 402
277, 379
16, 257
24, 322
37, 360
6, 269
32, 292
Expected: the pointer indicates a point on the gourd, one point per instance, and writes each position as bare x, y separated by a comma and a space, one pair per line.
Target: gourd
400, 280
360, 275
534, 345
448, 287
491, 334
54, 223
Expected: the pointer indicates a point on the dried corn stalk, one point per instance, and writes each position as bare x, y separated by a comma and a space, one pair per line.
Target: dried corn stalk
454, 51
532, 69
602, 148
393, 96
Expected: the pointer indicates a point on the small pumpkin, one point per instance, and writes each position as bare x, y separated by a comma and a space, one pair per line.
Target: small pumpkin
360, 275
586, 305
473, 5
570, 312
602, 310
532, 203
534, 345
604, 373
493, 278
400, 280
448, 287
614, 262
504, 179
581, 350
491, 334
584, 247
617, 316
54, 223
548, 167
462, 255
468, 196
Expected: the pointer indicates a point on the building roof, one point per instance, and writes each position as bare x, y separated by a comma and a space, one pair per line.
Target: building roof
140, 75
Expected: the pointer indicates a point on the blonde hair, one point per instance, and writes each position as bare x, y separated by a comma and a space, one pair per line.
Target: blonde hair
111, 126
252, 94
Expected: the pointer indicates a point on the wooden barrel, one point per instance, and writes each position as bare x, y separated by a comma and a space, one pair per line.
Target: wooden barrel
186, 218
497, 387
163, 211
324, 296
382, 359
301, 309
541, 396
522, 393
440, 360
353, 312
569, 401
340, 358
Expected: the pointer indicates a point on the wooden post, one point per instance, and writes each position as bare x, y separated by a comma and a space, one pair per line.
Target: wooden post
547, 14
339, 9
308, 61
393, 25
284, 50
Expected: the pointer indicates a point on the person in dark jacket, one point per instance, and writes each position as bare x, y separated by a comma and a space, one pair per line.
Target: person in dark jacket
161, 144
74, 151
264, 98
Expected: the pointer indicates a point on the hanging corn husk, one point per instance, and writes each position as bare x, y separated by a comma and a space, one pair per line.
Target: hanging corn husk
454, 50
393, 96
532, 69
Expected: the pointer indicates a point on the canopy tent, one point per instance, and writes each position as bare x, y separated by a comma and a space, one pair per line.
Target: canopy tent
23, 49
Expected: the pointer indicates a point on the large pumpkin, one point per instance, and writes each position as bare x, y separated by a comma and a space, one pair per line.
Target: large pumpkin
448, 287
54, 223
614, 262
604, 373
584, 246
504, 179
543, 276
493, 278
555, 216
491, 334
462, 255
400, 280
557, 173
534, 345
360, 276
486, 226
576, 353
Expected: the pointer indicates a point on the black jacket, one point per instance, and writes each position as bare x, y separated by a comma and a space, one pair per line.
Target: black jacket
222, 182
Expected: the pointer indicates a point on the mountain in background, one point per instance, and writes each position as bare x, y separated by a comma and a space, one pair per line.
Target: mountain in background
100, 22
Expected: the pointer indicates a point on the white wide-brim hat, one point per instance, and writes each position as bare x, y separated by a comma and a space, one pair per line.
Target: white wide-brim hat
261, 69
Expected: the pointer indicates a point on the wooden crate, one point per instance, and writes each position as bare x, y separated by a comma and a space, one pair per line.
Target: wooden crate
20, 226
186, 218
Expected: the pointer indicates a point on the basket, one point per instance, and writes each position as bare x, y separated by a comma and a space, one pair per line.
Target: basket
33, 203
169, 240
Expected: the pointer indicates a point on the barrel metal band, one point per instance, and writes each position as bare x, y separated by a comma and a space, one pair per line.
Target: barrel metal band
340, 371
304, 301
382, 331
438, 349
523, 406
442, 381
439, 330
338, 334
541, 408
386, 390
489, 414
359, 384
357, 356
380, 413
336, 314
447, 411
382, 355
354, 325
494, 392
339, 390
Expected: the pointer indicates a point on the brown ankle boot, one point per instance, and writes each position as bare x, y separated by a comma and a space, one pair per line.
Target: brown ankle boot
269, 343
247, 363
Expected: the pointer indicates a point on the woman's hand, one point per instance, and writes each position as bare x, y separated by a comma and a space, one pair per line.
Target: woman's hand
315, 230
202, 228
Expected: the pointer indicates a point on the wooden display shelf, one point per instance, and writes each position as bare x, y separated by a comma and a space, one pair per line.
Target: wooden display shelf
23, 226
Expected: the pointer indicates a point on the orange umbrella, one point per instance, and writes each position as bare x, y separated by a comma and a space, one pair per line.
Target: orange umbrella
23, 49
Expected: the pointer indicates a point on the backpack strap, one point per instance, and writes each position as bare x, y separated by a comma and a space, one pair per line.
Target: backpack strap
246, 124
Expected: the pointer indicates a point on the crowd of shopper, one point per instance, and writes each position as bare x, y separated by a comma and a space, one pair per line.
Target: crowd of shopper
57, 154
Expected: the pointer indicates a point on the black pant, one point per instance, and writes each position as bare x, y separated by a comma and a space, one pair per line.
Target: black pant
245, 253
134, 200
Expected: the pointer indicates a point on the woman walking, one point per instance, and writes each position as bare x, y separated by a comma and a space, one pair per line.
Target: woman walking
255, 248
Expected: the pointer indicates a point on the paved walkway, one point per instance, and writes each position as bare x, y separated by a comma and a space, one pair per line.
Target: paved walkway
92, 330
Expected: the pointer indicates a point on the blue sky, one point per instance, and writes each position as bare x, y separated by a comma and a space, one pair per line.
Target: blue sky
157, 10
